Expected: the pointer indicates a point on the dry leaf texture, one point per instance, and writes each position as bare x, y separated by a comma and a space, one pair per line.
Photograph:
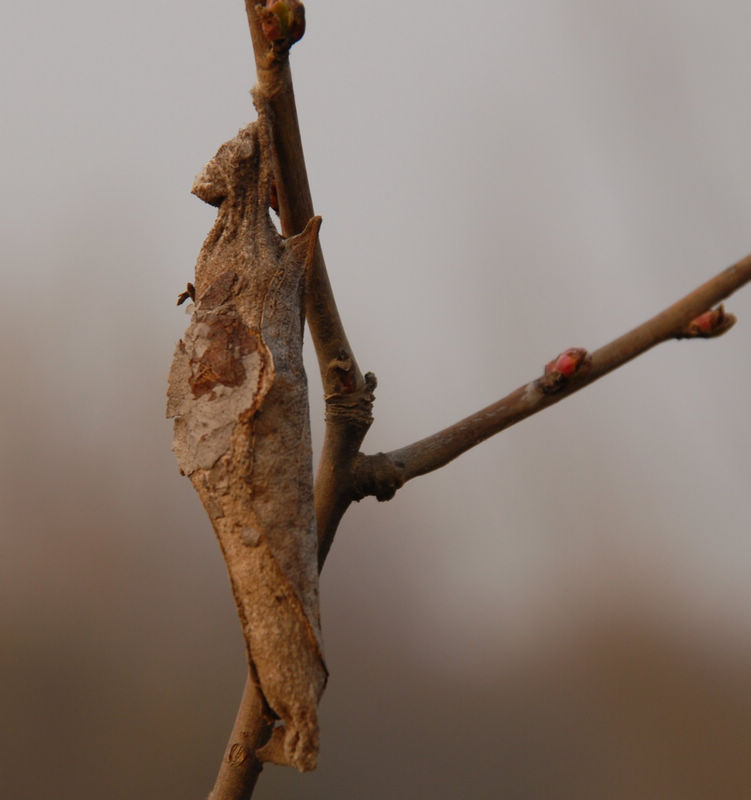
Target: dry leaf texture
238, 392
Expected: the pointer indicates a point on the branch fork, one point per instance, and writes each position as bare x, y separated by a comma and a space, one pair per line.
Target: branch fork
345, 474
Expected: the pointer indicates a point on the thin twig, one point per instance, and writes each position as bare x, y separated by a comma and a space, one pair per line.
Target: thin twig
382, 474
349, 394
240, 768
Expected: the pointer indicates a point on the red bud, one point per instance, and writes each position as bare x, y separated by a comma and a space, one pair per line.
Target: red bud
283, 21
711, 323
568, 362
561, 368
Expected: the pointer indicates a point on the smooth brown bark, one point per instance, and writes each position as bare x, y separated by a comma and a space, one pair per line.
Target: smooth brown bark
382, 474
240, 768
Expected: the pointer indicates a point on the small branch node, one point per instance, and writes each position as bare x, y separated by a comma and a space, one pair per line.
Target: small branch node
711, 323
377, 475
340, 374
281, 751
238, 754
558, 372
273, 751
347, 402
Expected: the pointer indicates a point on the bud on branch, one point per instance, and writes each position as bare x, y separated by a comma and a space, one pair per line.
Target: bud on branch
709, 324
562, 367
282, 22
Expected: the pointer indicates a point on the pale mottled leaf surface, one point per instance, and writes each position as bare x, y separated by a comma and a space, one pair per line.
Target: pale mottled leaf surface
238, 393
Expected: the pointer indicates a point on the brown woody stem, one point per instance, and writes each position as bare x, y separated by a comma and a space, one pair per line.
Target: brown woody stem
343, 383
349, 394
382, 474
240, 768
293, 192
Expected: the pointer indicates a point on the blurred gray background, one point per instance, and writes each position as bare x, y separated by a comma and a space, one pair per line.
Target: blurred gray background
563, 612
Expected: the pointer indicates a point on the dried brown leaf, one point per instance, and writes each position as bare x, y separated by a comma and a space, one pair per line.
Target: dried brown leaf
238, 392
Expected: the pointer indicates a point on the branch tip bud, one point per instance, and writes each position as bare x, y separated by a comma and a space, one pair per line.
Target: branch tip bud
282, 22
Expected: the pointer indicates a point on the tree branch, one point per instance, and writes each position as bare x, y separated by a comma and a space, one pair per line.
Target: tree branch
383, 474
348, 394
240, 768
